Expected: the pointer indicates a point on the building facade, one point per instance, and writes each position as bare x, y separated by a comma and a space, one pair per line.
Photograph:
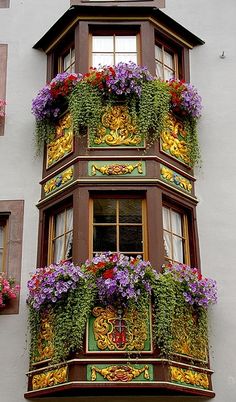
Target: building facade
64, 207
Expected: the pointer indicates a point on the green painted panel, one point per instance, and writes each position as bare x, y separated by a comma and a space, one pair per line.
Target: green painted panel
116, 168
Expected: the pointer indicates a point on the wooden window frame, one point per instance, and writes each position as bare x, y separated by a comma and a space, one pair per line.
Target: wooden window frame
61, 57
4, 3
13, 212
4, 223
118, 196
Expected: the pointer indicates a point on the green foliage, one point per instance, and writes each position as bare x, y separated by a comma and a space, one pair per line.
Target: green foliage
34, 325
190, 125
44, 133
85, 107
178, 326
154, 106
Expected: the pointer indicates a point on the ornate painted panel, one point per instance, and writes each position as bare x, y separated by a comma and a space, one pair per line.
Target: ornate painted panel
175, 179
63, 143
117, 129
59, 181
50, 378
173, 140
120, 372
189, 377
115, 330
116, 168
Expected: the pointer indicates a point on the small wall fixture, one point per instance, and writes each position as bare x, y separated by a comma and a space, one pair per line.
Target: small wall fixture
222, 55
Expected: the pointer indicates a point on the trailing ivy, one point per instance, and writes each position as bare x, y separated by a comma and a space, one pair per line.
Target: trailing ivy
44, 133
190, 125
34, 320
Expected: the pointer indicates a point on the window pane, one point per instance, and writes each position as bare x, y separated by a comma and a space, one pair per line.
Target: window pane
158, 53
130, 211
104, 210
159, 70
1, 260
176, 220
101, 59
69, 243
166, 218
104, 238
167, 245
69, 219
125, 44
59, 250
178, 249
168, 74
59, 224
125, 58
169, 59
131, 238
102, 44
66, 62
1, 235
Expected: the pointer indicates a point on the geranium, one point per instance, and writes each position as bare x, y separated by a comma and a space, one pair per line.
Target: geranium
50, 284
197, 290
2, 107
185, 99
8, 289
122, 280
48, 103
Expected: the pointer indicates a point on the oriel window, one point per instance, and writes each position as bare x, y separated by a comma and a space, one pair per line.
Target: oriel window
166, 63
60, 236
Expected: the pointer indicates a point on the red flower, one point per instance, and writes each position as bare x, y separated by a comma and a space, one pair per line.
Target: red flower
108, 274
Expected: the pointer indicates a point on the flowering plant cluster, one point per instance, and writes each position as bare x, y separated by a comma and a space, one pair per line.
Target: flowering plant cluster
2, 107
48, 103
122, 79
8, 289
120, 279
49, 284
185, 99
197, 290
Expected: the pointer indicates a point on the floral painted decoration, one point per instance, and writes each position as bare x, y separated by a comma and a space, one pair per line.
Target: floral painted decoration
48, 104
122, 280
8, 289
2, 107
124, 79
49, 284
197, 290
185, 100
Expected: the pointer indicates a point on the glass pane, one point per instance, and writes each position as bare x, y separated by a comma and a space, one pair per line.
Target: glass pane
1, 260
130, 211
59, 250
104, 238
69, 219
125, 57
101, 59
168, 74
159, 70
59, 224
125, 44
104, 210
176, 221
66, 61
167, 245
1, 236
166, 218
169, 60
69, 243
102, 44
72, 56
178, 249
131, 238
158, 53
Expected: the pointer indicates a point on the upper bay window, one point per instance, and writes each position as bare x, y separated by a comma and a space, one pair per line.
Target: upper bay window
68, 61
114, 48
60, 236
166, 62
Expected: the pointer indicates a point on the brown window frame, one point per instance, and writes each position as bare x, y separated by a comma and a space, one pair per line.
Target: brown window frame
4, 3
13, 212
4, 218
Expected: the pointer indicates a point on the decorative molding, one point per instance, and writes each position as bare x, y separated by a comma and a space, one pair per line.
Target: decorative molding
173, 140
117, 129
45, 337
124, 373
121, 168
189, 377
50, 378
175, 179
59, 181
63, 143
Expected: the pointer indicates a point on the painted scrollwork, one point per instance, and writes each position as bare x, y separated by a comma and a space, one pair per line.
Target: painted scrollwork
45, 339
59, 181
173, 139
119, 373
189, 377
50, 378
175, 178
116, 330
117, 128
117, 169
63, 143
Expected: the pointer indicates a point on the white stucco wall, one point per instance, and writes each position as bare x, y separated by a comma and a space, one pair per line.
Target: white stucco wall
214, 22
